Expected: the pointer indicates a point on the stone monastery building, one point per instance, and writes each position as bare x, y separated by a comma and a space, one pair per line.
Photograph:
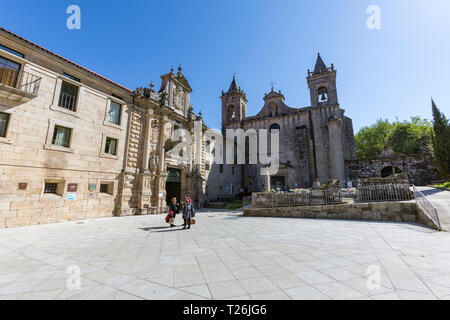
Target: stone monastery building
76, 145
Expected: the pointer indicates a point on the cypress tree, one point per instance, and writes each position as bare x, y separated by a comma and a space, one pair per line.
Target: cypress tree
441, 141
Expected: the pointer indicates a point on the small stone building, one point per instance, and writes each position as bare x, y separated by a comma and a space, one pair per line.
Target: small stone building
315, 141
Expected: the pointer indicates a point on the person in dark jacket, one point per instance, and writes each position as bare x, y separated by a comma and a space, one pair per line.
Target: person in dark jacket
188, 212
174, 210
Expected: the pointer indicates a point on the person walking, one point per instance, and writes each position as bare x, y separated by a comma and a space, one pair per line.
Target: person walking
174, 210
188, 212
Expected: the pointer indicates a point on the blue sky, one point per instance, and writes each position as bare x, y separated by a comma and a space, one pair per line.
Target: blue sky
386, 73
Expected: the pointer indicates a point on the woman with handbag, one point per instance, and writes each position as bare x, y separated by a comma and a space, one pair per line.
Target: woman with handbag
188, 212
174, 209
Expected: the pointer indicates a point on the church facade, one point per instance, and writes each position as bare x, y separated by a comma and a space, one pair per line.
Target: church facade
314, 141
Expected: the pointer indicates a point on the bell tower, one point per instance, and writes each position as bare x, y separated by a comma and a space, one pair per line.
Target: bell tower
234, 105
322, 84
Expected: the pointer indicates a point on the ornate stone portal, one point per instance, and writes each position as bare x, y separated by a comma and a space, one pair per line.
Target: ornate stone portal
157, 115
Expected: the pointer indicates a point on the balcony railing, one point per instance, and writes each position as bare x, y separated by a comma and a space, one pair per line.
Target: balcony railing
67, 101
19, 79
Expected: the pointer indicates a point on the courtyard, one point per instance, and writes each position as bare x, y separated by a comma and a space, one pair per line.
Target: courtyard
224, 256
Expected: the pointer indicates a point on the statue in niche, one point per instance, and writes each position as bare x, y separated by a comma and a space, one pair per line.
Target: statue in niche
153, 162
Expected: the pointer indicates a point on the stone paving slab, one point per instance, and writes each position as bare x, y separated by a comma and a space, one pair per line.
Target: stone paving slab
225, 256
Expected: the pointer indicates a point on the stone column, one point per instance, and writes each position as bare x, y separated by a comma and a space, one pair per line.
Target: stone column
145, 177
336, 150
146, 149
162, 141
159, 198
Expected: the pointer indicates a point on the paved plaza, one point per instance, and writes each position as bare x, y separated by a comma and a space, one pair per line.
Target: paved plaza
441, 200
225, 256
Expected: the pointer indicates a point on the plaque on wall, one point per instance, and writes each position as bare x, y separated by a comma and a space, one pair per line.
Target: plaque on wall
72, 187
23, 186
92, 187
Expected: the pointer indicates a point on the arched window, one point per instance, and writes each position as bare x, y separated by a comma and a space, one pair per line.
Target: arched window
274, 126
323, 94
231, 113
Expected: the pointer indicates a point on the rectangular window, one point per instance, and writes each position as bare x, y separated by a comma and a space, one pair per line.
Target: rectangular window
114, 113
61, 137
221, 168
111, 146
103, 188
71, 77
232, 171
116, 96
107, 187
9, 72
4, 120
51, 188
68, 96
14, 52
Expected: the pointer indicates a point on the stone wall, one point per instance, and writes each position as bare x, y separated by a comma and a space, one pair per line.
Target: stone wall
311, 197
29, 159
420, 169
379, 211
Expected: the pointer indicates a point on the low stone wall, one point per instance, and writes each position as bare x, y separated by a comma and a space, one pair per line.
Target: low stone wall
312, 197
420, 169
406, 211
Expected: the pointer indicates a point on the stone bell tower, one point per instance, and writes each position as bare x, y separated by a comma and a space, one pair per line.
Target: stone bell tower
322, 84
234, 105
328, 123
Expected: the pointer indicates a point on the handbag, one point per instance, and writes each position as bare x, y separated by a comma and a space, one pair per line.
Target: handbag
167, 218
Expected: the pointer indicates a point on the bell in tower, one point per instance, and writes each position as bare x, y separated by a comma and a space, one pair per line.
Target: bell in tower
322, 84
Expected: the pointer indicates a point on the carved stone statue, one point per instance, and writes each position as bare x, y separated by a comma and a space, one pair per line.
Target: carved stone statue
153, 162
178, 98
163, 99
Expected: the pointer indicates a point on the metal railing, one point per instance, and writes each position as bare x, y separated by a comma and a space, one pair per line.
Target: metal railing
19, 79
67, 101
382, 193
426, 205
295, 199
349, 195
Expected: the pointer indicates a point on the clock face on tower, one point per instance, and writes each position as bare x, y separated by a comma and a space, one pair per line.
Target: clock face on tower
178, 98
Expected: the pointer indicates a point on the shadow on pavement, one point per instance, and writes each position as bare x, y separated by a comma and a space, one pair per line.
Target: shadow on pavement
431, 191
161, 229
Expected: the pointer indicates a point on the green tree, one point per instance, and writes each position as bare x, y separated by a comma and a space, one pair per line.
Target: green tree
412, 137
441, 141
407, 137
370, 141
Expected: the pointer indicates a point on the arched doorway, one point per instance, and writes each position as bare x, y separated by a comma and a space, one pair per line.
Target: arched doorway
389, 171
